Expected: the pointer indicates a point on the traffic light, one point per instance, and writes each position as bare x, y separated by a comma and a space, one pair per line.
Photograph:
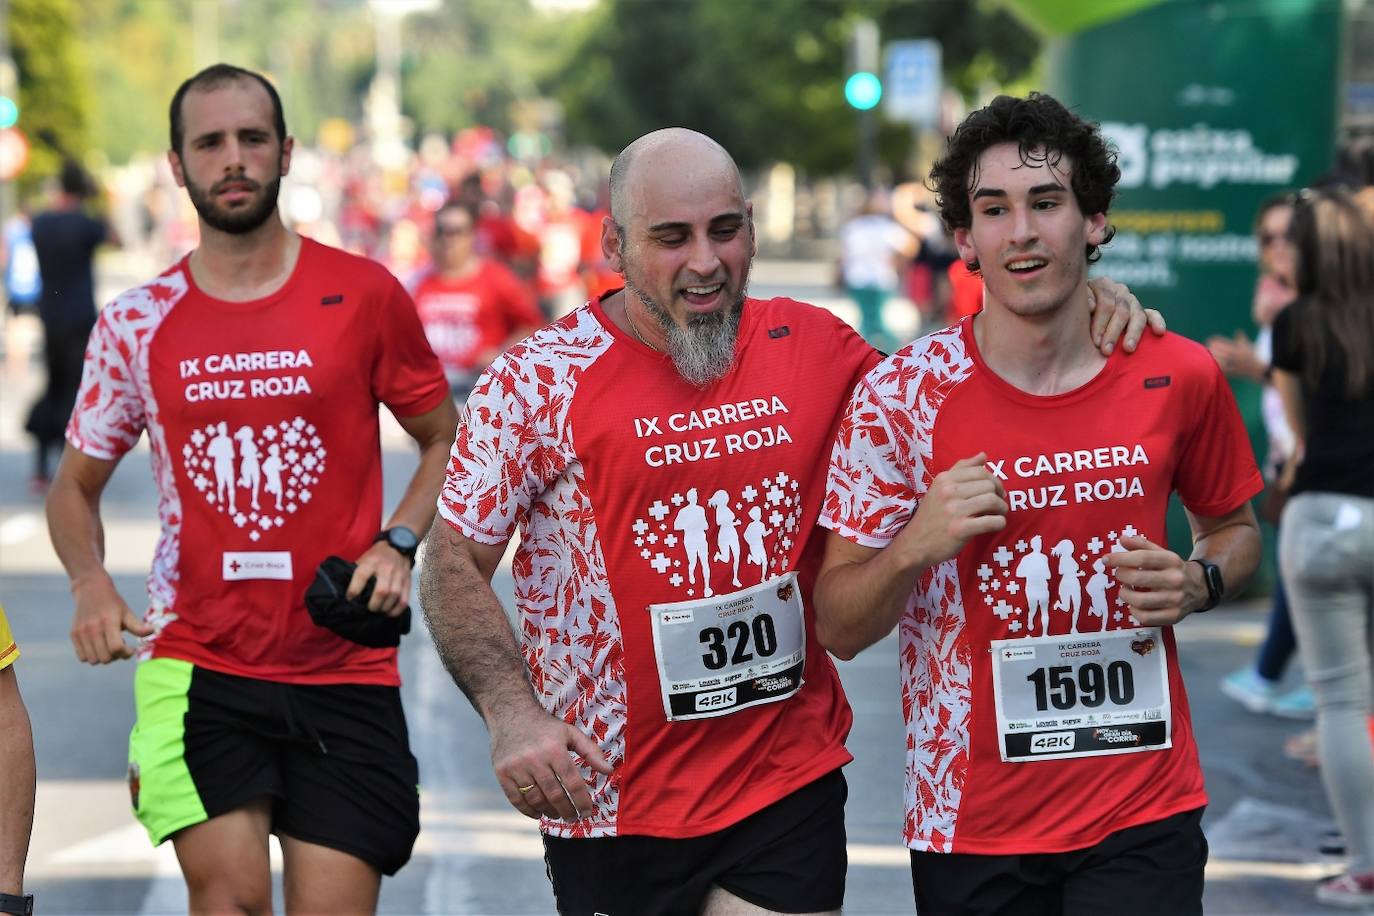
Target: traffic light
9, 112
863, 90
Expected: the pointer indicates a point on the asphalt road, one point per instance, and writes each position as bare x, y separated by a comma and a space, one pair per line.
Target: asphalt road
475, 854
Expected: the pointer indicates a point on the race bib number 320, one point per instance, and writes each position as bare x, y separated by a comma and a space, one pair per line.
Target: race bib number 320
718, 655
1081, 695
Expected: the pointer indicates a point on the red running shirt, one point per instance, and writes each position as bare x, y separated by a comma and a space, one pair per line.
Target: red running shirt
610, 467
467, 318
1081, 469
262, 420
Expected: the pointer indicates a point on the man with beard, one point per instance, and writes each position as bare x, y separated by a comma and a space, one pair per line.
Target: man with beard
666, 737
251, 719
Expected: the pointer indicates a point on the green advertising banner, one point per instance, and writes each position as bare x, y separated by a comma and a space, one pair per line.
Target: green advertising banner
1213, 106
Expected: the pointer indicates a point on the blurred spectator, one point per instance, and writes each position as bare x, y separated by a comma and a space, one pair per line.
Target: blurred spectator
934, 265
873, 249
23, 283
561, 288
472, 308
597, 275
1324, 371
65, 238
1256, 686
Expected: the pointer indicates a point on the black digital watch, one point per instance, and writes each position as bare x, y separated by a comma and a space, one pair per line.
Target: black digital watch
19, 906
402, 540
1216, 588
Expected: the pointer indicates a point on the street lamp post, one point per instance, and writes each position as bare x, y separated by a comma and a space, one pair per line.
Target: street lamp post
384, 95
863, 89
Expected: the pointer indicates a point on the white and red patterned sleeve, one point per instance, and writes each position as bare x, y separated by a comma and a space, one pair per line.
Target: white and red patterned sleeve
109, 415
869, 495
501, 459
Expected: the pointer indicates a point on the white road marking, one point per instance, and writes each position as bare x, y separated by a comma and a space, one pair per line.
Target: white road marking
19, 528
1238, 870
129, 545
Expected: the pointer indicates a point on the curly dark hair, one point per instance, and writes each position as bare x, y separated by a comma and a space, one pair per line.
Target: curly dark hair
1046, 132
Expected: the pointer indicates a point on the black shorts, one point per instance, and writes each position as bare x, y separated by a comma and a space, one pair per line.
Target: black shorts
790, 858
334, 758
1155, 868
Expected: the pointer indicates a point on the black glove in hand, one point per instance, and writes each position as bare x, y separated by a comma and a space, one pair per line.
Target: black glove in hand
325, 600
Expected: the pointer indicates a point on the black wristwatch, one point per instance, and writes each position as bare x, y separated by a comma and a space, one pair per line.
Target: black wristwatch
19, 906
402, 540
1216, 588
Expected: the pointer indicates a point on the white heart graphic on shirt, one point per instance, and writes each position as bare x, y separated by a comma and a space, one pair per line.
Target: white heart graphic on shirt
256, 477
1029, 583
719, 544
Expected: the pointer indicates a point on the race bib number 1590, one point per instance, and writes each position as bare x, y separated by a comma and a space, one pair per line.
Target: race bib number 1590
1081, 695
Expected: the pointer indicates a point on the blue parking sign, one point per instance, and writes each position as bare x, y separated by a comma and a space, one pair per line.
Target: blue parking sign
911, 89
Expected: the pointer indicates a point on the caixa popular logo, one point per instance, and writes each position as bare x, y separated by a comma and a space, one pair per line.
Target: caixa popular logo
716, 699
1051, 742
1200, 155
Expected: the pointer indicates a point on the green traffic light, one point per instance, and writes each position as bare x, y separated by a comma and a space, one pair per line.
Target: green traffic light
9, 112
863, 90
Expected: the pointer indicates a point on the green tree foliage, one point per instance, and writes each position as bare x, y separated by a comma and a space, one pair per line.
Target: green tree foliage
475, 62
53, 96
137, 52
765, 78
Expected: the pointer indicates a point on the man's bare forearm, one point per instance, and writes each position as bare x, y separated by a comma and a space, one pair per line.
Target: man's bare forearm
74, 525
433, 432
18, 780
861, 595
469, 628
1232, 542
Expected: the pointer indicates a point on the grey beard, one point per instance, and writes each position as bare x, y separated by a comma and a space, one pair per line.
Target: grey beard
703, 351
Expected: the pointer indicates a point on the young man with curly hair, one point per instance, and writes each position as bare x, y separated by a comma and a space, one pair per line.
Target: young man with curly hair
997, 493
